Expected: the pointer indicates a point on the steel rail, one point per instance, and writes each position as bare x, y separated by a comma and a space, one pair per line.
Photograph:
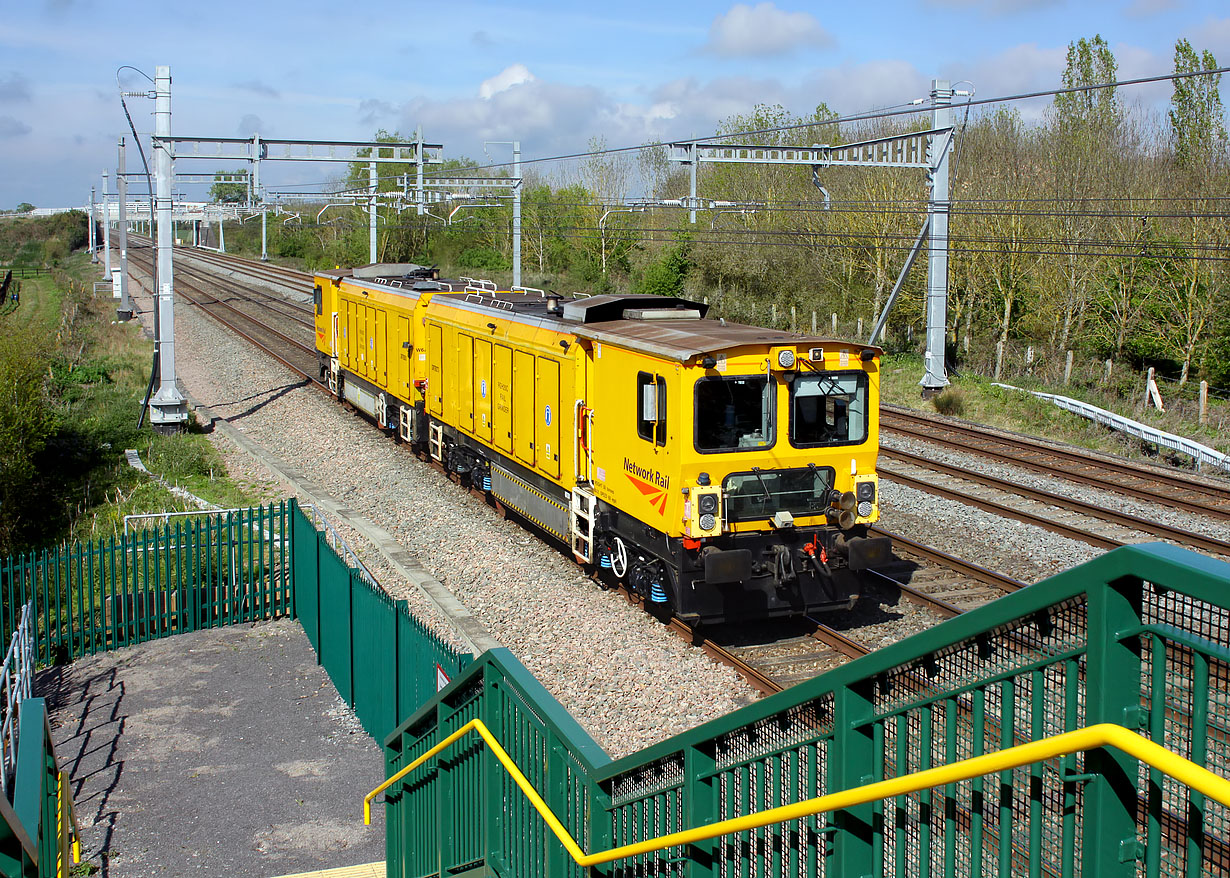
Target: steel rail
916, 427
297, 369
1124, 519
268, 301
1000, 509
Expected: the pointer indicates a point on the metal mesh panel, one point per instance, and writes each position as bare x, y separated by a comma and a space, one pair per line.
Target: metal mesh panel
782, 850
991, 822
796, 725
1057, 631
656, 776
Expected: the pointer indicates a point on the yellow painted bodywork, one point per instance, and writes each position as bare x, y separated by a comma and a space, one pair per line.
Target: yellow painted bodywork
566, 406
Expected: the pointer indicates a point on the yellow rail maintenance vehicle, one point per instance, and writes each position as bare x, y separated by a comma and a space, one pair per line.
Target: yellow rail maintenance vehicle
725, 472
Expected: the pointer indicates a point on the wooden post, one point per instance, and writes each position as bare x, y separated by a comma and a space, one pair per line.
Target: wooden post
1029, 360
813, 322
1204, 403
999, 359
834, 324
1149, 385
1109, 365
794, 323
774, 316
1067, 370
859, 333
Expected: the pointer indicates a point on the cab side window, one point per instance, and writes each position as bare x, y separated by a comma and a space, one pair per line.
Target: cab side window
318, 297
651, 407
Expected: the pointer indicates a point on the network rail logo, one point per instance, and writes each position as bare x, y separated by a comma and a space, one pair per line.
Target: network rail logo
653, 484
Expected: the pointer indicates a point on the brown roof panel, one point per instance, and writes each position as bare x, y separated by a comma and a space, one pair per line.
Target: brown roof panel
683, 339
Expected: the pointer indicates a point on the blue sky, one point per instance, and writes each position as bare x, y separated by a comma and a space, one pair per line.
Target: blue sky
551, 74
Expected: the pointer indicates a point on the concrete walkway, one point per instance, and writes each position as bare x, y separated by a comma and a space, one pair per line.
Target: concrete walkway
220, 753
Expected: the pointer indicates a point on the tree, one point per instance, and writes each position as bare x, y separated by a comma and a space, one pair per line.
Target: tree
26, 423
1197, 119
223, 192
1090, 64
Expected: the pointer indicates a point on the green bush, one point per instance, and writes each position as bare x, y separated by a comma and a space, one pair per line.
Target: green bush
483, 259
950, 401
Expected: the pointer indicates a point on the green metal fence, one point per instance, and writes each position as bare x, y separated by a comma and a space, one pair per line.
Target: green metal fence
38, 830
179, 573
167, 577
383, 660
1139, 637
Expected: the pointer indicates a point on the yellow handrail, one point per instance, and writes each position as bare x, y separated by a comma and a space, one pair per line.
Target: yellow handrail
65, 821
1102, 735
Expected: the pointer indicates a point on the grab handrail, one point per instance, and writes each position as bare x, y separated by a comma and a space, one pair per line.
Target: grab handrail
1089, 738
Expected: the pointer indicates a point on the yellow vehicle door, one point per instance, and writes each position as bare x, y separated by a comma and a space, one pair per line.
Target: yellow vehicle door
501, 417
348, 335
401, 353
465, 382
435, 380
547, 416
482, 389
523, 406
360, 339
379, 349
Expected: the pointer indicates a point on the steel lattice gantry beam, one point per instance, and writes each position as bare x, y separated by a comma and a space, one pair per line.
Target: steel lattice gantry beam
256, 148
927, 150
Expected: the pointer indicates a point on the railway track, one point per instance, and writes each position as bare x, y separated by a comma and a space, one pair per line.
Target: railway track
246, 314
1168, 488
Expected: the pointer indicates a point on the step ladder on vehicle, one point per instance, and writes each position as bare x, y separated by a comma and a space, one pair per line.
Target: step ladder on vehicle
584, 507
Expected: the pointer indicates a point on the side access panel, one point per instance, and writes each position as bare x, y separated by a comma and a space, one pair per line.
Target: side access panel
465, 382
400, 354
547, 416
515, 493
483, 389
523, 406
380, 361
501, 418
435, 377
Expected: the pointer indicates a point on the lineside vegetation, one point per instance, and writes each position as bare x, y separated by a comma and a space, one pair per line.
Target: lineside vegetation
71, 385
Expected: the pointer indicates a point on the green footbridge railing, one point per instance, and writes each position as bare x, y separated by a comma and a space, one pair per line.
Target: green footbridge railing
1077, 727
177, 574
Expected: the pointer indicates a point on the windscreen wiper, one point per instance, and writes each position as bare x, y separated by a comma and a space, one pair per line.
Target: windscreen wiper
763, 486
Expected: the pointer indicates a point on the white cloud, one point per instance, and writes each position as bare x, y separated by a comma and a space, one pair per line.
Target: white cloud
999, 7
372, 110
763, 29
14, 88
250, 124
517, 74
257, 87
10, 127
1147, 8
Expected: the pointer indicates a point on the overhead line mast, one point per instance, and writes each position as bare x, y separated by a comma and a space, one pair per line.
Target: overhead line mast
927, 150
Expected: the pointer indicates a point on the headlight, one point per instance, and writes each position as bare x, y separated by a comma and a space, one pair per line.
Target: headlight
864, 509
707, 504
707, 521
785, 358
866, 491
